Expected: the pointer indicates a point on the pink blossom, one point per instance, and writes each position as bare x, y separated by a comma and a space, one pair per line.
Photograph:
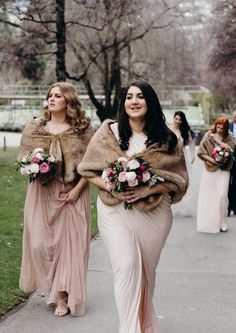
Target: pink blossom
142, 167
44, 167
139, 177
122, 177
36, 160
133, 183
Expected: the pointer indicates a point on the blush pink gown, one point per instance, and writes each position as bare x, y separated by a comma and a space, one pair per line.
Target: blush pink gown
56, 244
134, 241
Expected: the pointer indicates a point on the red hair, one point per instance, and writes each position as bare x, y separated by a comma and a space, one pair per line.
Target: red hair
221, 121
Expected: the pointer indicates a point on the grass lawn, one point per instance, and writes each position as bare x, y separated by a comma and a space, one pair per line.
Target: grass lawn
13, 188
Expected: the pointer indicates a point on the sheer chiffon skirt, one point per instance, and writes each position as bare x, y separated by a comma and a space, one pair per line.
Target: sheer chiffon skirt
134, 241
56, 244
212, 201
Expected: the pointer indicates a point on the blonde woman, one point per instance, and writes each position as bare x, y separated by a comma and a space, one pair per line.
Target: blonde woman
57, 216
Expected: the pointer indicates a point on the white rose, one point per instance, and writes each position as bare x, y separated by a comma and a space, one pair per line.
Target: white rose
130, 176
34, 168
25, 170
39, 156
122, 160
38, 150
24, 159
146, 176
104, 175
133, 164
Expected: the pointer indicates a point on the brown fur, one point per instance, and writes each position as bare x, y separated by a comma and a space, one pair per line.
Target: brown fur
104, 148
207, 146
73, 144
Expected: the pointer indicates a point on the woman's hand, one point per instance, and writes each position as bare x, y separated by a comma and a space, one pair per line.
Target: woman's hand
133, 195
71, 196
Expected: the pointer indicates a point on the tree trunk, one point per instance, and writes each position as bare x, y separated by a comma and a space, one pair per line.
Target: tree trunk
60, 40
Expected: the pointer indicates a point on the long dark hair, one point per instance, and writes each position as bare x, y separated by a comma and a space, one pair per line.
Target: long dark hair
155, 127
185, 129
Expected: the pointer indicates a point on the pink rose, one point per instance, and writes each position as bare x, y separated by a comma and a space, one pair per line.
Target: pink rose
133, 183
139, 177
36, 160
122, 177
44, 167
142, 167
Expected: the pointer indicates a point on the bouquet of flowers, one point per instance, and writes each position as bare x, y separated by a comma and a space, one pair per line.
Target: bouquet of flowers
123, 174
38, 165
222, 156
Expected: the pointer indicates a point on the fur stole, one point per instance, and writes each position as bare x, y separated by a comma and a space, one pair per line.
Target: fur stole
207, 146
104, 148
72, 145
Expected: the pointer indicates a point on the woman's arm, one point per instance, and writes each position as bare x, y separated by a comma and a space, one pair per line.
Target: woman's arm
191, 145
73, 195
208, 158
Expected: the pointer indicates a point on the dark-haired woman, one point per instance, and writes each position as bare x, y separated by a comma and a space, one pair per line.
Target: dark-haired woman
57, 216
135, 237
185, 138
213, 192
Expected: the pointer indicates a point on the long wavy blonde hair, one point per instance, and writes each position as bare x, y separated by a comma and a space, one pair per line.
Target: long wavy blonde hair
75, 114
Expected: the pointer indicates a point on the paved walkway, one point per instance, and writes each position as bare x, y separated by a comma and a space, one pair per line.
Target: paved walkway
195, 289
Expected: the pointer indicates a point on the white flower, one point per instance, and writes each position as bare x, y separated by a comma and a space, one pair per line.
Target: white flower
24, 159
104, 175
38, 150
160, 179
122, 160
39, 156
34, 168
130, 176
146, 176
24, 170
51, 159
133, 164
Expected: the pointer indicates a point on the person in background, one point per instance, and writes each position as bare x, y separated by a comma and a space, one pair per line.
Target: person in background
185, 137
135, 237
57, 215
232, 181
213, 199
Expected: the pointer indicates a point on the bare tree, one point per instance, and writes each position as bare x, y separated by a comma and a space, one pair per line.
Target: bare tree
221, 72
103, 44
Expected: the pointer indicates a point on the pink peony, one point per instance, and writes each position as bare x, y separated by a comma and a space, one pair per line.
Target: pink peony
44, 167
122, 177
36, 160
133, 183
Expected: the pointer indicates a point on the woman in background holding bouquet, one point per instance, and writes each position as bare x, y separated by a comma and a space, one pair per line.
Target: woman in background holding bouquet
134, 238
216, 151
57, 206
185, 138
